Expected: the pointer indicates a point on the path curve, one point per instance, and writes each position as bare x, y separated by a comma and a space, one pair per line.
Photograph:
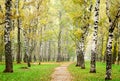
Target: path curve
61, 73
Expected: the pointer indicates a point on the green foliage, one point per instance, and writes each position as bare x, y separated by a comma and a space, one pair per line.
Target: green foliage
114, 6
37, 14
78, 33
71, 50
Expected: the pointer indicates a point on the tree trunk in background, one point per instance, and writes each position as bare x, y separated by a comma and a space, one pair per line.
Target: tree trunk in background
35, 58
114, 52
49, 51
32, 47
32, 43
0, 57
59, 47
8, 24
44, 48
27, 52
94, 46
66, 49
118, 58
59, 39
19, 43
54, 52
40, 54
39, 32
30, 56
104, 59
100, 48
25, 47
26, 56
78, 60
29, 47
62, 50
78, 53
18, 36
101, 55
45, 52
13, 40
85, 28
2, 45
42, 51
82, 53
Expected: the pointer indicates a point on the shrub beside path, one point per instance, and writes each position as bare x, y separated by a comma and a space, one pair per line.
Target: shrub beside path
61, 73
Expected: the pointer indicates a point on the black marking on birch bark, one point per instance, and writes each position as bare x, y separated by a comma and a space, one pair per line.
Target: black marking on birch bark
97, 13
96, 9
96, 23
95, 27
111, 35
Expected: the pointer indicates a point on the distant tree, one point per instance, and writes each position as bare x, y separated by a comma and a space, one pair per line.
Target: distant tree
59, 39
118, 57
114, 54
18, 35
26, 56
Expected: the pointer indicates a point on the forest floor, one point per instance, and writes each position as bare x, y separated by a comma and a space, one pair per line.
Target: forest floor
61, 73
79, 74
34, 73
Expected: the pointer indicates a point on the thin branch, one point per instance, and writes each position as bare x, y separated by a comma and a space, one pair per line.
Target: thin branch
108, 10
39, 4
74, 41
3, 23
23, 30
116, 17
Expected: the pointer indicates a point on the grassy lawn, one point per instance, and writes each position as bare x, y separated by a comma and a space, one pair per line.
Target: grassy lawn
84, 75
34, 73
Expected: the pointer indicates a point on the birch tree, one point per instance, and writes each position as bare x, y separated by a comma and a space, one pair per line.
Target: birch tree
112, 24
87, 16
7, 40
94, 45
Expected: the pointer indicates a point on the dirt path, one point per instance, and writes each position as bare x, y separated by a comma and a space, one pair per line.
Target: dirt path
61, 73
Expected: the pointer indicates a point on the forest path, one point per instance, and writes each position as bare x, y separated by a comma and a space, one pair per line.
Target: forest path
61, 73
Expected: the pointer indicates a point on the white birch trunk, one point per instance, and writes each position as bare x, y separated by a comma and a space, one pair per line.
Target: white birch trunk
94, 44
110, 40
7, 40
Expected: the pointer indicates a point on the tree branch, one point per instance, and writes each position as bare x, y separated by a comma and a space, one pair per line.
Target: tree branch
116, 17
3, 23
108, 10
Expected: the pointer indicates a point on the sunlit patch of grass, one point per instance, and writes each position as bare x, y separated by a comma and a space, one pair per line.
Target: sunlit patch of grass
34, 73
84, 75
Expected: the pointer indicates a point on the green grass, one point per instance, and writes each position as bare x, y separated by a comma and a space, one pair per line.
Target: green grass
34, 73
84, 75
